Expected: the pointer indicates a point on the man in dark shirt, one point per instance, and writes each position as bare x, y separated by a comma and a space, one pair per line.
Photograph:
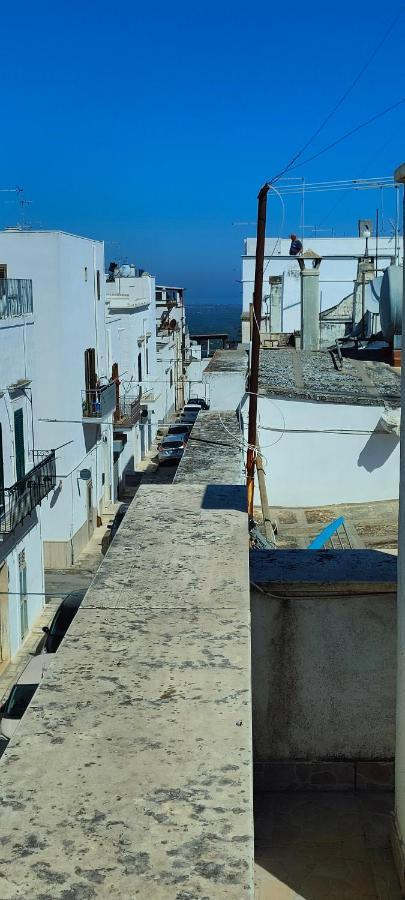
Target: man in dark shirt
295, 246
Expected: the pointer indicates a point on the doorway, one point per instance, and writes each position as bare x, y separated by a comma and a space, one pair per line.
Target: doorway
90, 519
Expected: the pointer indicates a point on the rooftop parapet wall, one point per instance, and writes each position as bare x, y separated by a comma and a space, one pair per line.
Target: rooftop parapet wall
130, 775
324, 658
214, 451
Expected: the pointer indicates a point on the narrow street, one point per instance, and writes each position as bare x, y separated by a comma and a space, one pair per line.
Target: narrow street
59, 583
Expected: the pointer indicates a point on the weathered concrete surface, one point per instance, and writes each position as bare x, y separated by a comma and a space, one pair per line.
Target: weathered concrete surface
309, 375
214, 451
323, 655
130, 775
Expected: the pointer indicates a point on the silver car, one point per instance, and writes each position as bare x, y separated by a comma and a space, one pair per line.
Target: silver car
171, 449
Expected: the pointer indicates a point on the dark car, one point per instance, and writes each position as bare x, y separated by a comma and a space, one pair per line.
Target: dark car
63, 617
180, 428
198, 401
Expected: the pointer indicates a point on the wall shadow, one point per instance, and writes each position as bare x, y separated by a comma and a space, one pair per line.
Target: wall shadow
377, 450
225, 496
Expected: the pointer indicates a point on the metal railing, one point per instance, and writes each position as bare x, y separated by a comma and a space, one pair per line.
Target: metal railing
18, 501
99, 402
128, 411
15, 297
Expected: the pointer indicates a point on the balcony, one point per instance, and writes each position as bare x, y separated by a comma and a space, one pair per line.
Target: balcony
20, 500
98, 403
15, 297
128, 412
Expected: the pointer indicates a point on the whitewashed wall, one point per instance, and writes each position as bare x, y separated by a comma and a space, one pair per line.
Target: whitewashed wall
68, 318
336, 275
16, 363
321, 453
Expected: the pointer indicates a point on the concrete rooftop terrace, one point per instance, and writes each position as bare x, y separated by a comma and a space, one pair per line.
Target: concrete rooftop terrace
213, 451
305, 375
228, 361
130, 774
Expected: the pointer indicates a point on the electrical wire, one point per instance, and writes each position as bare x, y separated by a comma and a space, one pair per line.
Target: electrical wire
344, 96
349, 133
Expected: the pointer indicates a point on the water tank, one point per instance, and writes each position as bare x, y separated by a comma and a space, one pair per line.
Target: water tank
391, 302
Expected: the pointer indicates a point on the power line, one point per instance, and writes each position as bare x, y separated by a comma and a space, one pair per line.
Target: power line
353, 84
347, 134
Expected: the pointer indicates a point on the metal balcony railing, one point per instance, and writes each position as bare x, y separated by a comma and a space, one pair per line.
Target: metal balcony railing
15, 297
20, 500
100, 402
128, 411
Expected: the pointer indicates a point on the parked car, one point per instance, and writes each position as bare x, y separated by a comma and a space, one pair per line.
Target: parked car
189, 415
171, 449
198, 401
55, 632
192, 408
184, 426
181, 430
21, 694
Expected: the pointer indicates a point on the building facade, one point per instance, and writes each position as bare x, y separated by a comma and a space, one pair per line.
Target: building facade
281, 311
27, 475
71, 373
131, 329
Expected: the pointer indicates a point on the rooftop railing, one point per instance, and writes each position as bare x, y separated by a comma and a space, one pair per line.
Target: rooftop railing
128, 411
99, 402
15, 297
18, 502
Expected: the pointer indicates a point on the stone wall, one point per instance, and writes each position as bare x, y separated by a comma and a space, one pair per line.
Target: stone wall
323, 670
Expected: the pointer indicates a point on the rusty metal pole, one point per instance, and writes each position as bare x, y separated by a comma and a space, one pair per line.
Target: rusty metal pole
255, 348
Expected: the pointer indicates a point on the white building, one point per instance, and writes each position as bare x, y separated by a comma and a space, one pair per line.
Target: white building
131, 328
27, 476
173, 347
74, 402
281, 281
327, 434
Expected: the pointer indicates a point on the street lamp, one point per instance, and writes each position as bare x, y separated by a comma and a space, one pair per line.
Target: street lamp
367, 235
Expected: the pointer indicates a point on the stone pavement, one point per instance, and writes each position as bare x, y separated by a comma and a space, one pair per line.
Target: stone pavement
138, 740
372, 525
313, 846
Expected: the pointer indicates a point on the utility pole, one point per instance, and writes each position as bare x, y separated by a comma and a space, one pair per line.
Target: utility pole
255, 349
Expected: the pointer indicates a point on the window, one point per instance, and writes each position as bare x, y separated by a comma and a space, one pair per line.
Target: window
140, 367
3, 270
98, 284
22, 572
86, 274
19, 444
147, 358
171, 377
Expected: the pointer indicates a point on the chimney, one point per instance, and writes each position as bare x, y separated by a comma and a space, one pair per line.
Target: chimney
309, 300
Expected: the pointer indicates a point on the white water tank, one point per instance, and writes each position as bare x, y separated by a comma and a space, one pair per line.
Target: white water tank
391, 302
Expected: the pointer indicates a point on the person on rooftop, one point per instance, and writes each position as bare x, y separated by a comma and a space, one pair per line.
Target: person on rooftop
295, 246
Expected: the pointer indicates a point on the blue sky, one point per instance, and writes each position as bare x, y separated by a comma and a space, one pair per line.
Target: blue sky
153, 125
